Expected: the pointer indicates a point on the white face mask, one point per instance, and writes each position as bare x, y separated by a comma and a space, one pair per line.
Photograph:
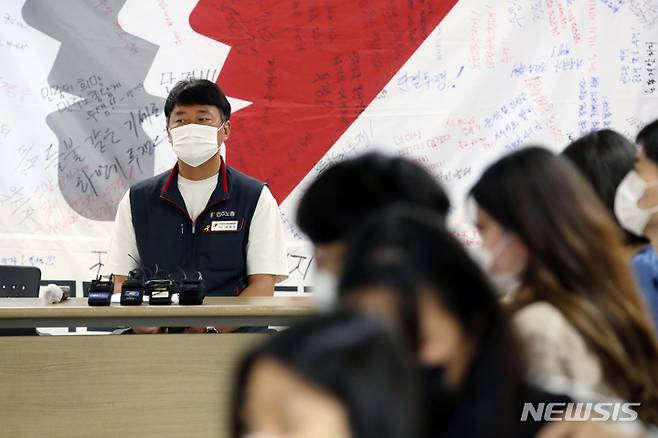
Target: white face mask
325, 288
629, 192
506, 283
195, 144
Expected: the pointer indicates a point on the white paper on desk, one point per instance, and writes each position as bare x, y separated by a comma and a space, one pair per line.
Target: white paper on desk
116, 299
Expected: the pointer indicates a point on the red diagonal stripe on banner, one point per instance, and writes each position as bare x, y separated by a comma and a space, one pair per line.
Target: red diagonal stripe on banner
310, 68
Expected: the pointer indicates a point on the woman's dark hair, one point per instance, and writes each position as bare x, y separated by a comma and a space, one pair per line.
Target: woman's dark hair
605, 157
415, 249
395, 278
198, 92
348, 191
355, 359
647, 138
576, 264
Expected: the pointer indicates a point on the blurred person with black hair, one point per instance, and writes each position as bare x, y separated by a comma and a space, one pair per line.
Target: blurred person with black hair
405, 268
636, 207
346, 193
337, 376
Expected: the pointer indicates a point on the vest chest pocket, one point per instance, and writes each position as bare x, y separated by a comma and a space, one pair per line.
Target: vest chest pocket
166, 246
221, 245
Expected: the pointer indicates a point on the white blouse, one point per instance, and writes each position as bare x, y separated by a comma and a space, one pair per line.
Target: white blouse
556, 351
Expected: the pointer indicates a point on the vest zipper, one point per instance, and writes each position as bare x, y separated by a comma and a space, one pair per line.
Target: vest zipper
195, 247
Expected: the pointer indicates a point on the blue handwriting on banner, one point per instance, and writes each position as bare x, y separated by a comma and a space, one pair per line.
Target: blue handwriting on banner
515, 11
645, 10
453, 174
514, 123
358, 143
593, 107
630, 63
422, 81
28, 260
538, 13
522, 68
564, 60
614, 5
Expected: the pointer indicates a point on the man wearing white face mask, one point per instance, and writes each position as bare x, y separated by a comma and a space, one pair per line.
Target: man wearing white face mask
636, 208
202, 215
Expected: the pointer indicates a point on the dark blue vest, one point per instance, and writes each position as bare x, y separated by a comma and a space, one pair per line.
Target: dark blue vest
215, 245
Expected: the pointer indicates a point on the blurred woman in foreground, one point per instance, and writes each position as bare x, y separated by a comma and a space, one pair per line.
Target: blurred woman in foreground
338, 376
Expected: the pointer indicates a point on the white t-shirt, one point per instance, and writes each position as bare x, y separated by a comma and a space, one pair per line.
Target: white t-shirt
266, 251
196, 194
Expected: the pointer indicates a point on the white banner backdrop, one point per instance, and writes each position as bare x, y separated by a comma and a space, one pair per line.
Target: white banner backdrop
492, 76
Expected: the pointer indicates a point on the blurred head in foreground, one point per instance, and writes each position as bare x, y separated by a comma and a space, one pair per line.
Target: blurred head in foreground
338, 376
346, 194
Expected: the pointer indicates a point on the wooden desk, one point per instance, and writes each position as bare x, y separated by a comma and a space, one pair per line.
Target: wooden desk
139, 385
236, 311
119, 386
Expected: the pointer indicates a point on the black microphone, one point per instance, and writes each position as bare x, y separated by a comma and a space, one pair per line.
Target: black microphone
159, 289
100, 291
191, 292
132, 289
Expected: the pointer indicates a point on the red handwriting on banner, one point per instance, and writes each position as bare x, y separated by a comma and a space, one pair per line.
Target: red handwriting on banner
545, 107
561, 19
309, 69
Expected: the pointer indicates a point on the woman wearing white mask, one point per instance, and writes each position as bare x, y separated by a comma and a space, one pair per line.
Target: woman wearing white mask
576, 306
605, 157
636, 205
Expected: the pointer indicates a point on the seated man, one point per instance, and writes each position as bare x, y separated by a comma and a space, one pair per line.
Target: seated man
202, 215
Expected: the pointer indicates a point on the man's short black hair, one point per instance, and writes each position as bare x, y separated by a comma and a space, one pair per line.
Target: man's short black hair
198, 92
648, 139
351, 190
